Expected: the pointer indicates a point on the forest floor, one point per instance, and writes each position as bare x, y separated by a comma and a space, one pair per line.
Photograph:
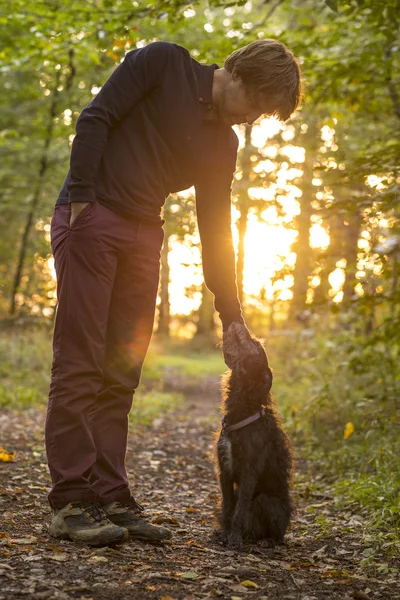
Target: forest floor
170, 464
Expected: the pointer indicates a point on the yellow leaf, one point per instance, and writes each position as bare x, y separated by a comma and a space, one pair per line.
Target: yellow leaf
249, 584
190, 509
348, 430
6, 456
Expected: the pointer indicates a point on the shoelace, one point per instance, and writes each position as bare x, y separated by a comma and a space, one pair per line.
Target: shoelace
132, 504
93, 510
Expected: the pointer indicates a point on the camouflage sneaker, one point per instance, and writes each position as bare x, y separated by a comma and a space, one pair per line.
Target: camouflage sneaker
125, 515
86, 522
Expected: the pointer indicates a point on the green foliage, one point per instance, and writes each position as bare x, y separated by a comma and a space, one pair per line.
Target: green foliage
25, 358
333, 378
151, 405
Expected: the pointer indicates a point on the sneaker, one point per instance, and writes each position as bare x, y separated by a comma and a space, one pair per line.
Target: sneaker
86, 522
126, 515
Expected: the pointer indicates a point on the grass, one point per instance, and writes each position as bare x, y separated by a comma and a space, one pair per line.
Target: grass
25, 361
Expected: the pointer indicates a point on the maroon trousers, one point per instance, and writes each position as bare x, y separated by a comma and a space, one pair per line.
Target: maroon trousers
107, 278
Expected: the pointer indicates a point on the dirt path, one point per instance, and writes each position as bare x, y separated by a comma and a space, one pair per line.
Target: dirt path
173, 477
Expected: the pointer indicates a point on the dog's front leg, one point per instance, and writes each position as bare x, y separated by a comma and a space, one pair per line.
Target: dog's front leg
228, 502
242, 511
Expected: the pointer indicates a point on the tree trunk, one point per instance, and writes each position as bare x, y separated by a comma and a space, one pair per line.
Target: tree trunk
206, 324
329, 258
351, 254
36, 197
302, 269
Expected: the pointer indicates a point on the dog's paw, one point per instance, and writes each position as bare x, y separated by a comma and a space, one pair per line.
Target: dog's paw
219, 536
266, 543
235, 542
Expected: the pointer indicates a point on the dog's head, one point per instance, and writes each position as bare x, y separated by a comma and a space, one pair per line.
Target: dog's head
247, 357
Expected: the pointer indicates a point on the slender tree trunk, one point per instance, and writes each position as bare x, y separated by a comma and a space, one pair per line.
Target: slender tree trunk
351, 254
206, 324
36, 196
244, 207
394, 297
164, 307
329, 258
303, 266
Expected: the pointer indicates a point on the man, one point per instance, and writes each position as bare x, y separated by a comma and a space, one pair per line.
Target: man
160, 124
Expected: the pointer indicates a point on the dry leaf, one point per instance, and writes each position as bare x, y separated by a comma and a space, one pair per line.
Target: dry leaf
165, 519
189, 575
27, 540
6, 456
59, 557
97, 559
249, 584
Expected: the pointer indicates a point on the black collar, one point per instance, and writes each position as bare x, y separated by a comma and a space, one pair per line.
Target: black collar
206, 78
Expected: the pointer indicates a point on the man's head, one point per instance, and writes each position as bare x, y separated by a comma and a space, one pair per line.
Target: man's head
261, 78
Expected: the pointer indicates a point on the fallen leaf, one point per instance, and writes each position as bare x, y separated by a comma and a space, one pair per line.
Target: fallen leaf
97, 559
6, 456
27, 540
59, 557
165, 519
189, 575
249, 584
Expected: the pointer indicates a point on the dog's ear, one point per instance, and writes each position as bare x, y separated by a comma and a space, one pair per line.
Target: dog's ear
268, 379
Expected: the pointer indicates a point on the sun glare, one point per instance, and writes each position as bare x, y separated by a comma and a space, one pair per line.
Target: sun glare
270, 234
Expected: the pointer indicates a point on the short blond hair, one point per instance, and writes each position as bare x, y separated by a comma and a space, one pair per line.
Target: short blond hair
271, 74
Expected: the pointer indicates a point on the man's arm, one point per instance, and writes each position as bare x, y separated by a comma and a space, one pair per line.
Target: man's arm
213, 204
133, 79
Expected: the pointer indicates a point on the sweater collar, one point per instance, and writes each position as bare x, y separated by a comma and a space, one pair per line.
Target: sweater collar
206, 78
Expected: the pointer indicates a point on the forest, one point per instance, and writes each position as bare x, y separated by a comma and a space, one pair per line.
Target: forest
316, 230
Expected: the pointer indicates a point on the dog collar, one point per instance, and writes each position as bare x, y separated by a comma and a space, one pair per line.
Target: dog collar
227, 428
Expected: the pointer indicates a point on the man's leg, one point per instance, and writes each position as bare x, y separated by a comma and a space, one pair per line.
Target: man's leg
129, 330
85, 267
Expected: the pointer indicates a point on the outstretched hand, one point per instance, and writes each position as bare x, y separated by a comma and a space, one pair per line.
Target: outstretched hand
237, 341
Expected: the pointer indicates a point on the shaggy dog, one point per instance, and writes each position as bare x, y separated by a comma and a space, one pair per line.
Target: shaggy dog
253, 452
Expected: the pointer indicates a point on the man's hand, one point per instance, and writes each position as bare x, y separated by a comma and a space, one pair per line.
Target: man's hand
236, 342
76, 209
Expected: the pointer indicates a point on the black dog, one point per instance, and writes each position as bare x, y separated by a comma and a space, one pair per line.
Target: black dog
254, 454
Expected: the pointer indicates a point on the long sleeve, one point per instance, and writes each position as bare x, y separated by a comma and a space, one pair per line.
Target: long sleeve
133, 79
213, 203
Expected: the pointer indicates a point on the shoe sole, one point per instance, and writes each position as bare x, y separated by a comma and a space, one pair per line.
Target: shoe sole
95, 543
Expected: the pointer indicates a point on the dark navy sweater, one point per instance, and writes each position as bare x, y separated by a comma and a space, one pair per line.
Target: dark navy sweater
146, 135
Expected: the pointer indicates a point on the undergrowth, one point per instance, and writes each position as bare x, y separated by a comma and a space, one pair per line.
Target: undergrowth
338, 395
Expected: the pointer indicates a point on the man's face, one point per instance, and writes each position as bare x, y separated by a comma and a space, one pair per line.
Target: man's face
235, 105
